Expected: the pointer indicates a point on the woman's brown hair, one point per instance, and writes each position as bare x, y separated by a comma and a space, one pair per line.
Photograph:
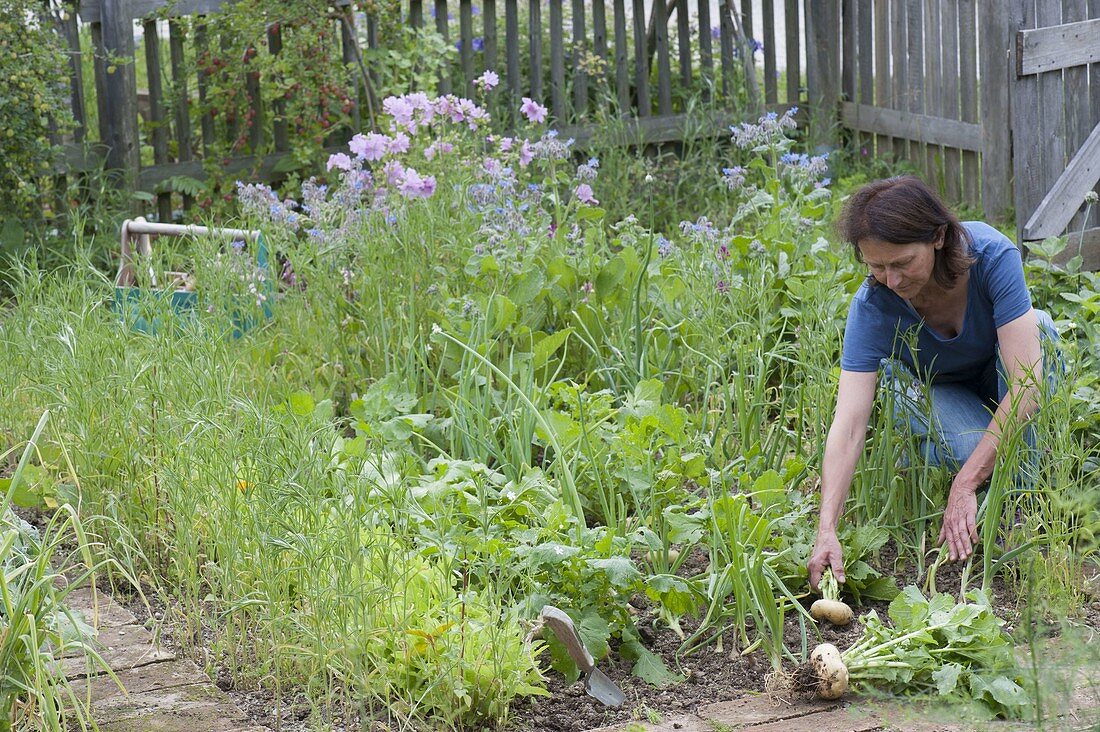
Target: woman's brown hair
904, 210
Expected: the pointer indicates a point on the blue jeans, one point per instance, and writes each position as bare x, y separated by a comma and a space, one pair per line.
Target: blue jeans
948, 420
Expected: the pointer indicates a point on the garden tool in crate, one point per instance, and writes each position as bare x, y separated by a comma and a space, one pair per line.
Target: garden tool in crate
177, 291
596, 682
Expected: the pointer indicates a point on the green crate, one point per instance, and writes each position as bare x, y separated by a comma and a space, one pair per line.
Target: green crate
133, 304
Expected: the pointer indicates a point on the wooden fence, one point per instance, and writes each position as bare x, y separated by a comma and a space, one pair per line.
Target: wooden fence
586, 60
976, 94
991, 100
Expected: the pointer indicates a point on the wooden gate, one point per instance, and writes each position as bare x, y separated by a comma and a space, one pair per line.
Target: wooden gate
1056, 122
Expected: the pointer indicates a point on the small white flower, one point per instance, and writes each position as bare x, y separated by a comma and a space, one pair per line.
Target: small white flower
436, 328
1092, 197
510, 495
559, 550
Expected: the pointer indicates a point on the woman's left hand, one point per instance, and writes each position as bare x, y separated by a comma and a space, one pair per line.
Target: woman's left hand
959, 521
960, 515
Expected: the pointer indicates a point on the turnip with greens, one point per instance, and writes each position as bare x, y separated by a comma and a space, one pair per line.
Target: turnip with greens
933, 646
830, 607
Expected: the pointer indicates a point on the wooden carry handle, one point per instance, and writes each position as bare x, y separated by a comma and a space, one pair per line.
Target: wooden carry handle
563, 628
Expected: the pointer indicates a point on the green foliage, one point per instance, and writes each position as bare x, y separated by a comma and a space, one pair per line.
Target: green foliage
33, 106
938, 645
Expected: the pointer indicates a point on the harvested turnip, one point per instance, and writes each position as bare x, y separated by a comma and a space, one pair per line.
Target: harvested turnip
833, 611
829, 671
830, 607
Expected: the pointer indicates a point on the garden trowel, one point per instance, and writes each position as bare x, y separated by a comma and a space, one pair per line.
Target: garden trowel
596, 682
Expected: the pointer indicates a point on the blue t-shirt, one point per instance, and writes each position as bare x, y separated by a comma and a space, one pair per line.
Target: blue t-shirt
996, 294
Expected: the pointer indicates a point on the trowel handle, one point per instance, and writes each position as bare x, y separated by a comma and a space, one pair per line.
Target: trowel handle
563, 628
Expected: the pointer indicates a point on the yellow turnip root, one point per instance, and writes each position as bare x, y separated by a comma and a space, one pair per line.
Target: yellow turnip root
834, 611
830, 607
830, 671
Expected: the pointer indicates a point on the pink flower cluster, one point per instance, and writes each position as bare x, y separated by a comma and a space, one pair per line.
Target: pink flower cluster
410, 112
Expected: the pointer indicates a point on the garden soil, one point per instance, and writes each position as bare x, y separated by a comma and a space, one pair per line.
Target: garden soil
708, 675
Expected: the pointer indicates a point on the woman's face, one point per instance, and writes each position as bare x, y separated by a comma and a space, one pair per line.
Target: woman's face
904, 268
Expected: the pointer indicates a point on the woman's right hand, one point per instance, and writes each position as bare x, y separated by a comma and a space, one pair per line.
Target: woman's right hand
827, 554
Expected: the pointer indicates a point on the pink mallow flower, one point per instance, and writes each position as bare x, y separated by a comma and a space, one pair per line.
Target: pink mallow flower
395, 172
487, 81
534, 111
400, 109
371, 146
437, 148
584, 194
339, 160
399, 143
526, 154
413, 185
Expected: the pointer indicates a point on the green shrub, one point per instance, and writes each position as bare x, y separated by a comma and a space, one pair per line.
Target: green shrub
33, 103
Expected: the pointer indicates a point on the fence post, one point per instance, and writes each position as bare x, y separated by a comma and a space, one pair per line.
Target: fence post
118, 123
823, 66
995, 48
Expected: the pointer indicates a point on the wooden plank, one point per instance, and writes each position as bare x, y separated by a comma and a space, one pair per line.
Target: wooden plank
511, 49
262, 166
599, 28
771, 73
202, 48
949, 94
176, 39
920, 128
280, 128
968, 96
727, 42
67, 27
899, 82
850, 53
883, 144
118, 126
932, 85
443, 27
1078, 120
622, 62
1066, 196
823, 60
1027, 145
747, 19
997, 150
416, 13
580, 47
534, 22
489, 31
1094, 94
664, 73
466, 44
1039, 50
254, 119
1052, 124
557, 63
706, 48
914, 75
683, 42
641, 59
230, 115
182, 103
865, 35
794, 60
157, 116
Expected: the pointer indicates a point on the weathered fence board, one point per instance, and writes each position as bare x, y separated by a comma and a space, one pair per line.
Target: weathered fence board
1059, 47
919, 128
949, 94
1064, 198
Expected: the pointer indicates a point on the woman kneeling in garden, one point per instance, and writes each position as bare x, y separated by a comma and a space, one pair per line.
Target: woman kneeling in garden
946, 304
